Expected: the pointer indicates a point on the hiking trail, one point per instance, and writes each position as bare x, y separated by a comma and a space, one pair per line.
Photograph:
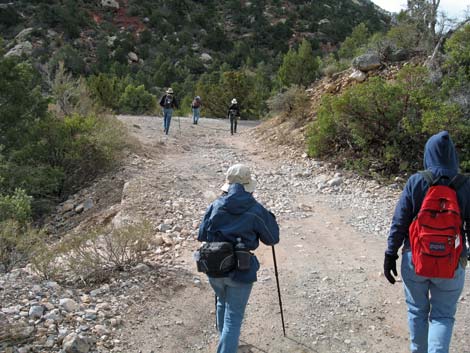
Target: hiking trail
333, 235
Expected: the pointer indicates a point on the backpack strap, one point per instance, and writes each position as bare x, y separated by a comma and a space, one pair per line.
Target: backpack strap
427, 175
457, 181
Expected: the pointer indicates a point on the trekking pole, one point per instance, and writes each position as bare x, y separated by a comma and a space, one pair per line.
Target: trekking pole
216, 324
278, 291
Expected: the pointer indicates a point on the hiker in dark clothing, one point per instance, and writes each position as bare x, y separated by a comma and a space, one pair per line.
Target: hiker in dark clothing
431, 301
236, 217
168, 103
233, 114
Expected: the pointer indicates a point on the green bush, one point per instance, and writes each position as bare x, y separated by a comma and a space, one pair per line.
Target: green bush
219, 88
292, 104
72, 59
93, 256
80, 147
9, 17
16, 206
354, 45
22, 104
299, 67
106, 89
456, 84
50, 157
137, 100
403, 36
71, 95
381, 127
16, 244
330, 65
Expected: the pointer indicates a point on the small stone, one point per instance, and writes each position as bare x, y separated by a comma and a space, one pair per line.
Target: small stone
74, 343
141, 268
36, 311
68, 304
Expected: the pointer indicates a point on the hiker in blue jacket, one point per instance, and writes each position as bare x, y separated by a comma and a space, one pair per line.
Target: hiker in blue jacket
431, 302
236, 214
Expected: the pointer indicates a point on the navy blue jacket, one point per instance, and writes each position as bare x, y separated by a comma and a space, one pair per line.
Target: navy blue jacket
441, 159
238, 215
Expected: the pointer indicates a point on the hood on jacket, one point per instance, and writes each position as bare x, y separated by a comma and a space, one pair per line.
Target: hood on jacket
440, 156
237, 200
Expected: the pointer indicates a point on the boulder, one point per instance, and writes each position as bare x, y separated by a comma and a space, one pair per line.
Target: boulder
330, 88
366, 62
24, 34
205, 57
110, 3
132, 57
24, 48
358, 76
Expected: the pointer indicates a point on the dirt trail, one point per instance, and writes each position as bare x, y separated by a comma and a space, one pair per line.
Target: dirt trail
334, 296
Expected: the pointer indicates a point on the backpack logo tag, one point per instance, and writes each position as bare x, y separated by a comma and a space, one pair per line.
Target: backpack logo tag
437, 247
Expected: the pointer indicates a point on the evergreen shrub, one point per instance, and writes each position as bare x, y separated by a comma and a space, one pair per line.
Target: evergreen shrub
137, 100
381, 127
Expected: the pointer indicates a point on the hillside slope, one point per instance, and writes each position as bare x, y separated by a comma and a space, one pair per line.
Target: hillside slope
117, 35
292, 132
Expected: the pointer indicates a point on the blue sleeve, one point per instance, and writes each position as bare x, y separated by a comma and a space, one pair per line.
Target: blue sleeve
202, 236
266, 227
405, 211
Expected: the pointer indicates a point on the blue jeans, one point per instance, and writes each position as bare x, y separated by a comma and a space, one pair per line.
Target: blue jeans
232, 298
167, 119
196, 115
432, 303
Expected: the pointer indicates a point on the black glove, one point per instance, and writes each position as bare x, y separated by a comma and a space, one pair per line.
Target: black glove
390, 266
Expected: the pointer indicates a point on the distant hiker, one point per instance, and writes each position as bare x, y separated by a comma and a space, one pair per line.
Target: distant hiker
196, 108
233, 114
168, 103
434, 255
235, 222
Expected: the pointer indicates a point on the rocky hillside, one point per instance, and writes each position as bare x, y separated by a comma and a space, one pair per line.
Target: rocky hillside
293, 132
103, 35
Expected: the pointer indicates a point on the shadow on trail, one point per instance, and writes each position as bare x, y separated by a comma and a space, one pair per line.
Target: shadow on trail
246, 347
305, 348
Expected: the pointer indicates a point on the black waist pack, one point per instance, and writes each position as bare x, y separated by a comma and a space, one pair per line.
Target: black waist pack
215, 259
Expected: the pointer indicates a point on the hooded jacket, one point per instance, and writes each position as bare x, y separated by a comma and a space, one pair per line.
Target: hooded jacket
441, 159
238, 215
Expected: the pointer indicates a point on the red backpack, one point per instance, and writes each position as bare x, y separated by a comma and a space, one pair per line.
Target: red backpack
435, 233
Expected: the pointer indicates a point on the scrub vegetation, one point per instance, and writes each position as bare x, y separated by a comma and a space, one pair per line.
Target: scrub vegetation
67, 66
